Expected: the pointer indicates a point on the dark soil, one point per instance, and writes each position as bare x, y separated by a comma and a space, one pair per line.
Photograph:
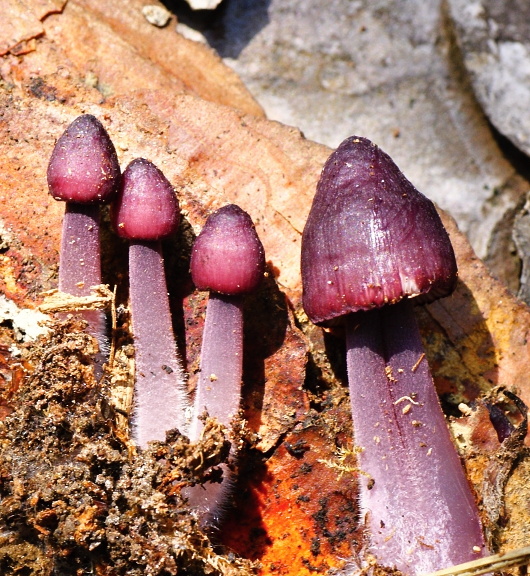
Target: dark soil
77, 497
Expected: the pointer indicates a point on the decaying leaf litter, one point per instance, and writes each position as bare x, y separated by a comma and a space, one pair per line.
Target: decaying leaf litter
77, 496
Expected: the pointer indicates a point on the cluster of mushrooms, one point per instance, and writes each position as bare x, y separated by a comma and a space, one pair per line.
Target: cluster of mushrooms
372, 242
228, 259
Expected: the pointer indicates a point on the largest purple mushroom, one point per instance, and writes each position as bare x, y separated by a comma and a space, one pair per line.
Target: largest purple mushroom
372, 243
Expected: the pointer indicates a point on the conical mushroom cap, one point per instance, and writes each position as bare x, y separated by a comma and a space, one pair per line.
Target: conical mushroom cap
228, 256
371, 238
84, 166
146, 207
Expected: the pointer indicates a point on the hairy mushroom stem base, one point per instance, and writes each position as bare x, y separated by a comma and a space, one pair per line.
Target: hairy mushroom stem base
218, 392
219, 387
80, 268
160, 392
414, 495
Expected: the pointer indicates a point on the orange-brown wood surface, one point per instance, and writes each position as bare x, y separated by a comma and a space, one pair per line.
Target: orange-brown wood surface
172, 101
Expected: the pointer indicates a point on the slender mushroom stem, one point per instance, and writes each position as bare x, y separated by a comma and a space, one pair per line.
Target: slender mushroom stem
221, 361
79, 259
80, 268
84, 172
218, 394
419, 507
145, 211
160, 395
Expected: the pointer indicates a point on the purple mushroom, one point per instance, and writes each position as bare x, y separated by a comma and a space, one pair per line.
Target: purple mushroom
227, 259
371, 243
145, 211
84, 172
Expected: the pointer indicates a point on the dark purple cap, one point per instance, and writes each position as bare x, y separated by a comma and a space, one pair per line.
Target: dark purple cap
228, 256
84, 166
371, 238
146, 207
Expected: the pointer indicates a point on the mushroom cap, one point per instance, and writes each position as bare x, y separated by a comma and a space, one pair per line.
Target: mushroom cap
227, 256
84, 166
371, 238
146, 207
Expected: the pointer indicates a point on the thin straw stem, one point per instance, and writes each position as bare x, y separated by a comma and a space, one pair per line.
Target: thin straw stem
495, 563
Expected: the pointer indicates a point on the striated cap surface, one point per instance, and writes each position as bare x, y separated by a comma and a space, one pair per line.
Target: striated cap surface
84, 166
371, 238
228, 256
146, 207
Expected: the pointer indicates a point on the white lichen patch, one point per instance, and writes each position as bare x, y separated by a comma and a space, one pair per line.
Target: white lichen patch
27, 324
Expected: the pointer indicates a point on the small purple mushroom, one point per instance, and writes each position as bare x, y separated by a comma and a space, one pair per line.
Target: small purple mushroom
145, 211
372, 240
227, 259
83, 172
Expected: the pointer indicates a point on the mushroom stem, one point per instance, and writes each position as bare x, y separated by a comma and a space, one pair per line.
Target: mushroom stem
414, 495
219, 386
218, 393
160, 396
80, 268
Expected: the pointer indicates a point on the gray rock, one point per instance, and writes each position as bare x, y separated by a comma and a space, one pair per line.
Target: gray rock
521, 237
495, 41
390, 71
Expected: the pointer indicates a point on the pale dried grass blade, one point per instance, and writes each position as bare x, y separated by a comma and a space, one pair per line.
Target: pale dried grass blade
101, 298
495, 563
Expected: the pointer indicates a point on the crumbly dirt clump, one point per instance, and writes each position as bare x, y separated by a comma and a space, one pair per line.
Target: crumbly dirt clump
77, 498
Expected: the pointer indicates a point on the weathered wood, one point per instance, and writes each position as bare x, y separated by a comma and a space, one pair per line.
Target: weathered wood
172, 101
